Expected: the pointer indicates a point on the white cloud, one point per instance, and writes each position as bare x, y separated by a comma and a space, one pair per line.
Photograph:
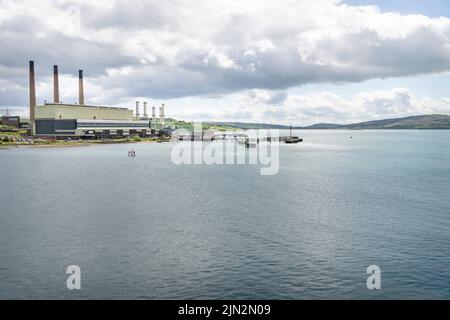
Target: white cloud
308, 109
329, 107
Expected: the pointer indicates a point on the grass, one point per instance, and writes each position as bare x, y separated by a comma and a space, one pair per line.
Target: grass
179, 124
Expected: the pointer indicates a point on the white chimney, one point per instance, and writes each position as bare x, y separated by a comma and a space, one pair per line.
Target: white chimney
145, 110
137, 109
161, 113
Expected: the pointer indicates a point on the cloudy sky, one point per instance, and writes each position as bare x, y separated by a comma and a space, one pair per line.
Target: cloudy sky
277, 61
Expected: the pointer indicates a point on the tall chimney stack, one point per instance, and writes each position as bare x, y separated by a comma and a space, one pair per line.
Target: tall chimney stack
55, 85
32, 99
137, 110
80, 88
145, 110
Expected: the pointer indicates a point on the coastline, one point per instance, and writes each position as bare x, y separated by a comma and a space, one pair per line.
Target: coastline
70, 144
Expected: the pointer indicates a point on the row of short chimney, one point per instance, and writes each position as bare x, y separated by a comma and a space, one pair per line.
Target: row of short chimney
145, 116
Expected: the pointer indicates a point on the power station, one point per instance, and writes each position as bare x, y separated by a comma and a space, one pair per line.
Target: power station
87, 121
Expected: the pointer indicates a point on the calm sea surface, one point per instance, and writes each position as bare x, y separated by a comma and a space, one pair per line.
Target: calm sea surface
146, 228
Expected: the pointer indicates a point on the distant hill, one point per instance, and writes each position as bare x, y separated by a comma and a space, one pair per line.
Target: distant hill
246, 126
433, 121
323, 126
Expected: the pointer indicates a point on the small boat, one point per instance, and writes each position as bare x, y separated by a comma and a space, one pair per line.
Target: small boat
292, 139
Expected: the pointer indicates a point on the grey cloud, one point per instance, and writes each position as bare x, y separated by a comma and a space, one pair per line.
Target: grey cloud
53, 48
276, 114
13, 96
128, 15
237, 115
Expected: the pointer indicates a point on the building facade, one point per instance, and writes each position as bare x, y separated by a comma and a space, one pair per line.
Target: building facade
63, 120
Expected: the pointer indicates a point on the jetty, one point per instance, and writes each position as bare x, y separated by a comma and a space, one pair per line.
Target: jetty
238, 137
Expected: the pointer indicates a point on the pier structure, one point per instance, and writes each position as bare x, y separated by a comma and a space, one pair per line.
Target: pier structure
237, 137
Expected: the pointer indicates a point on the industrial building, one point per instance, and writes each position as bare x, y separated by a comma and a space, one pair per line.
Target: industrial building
15, 122
10, 121
62, 120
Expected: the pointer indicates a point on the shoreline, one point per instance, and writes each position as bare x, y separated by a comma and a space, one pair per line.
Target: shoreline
69, 144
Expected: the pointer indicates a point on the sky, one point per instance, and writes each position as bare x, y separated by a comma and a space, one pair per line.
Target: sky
294, 62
